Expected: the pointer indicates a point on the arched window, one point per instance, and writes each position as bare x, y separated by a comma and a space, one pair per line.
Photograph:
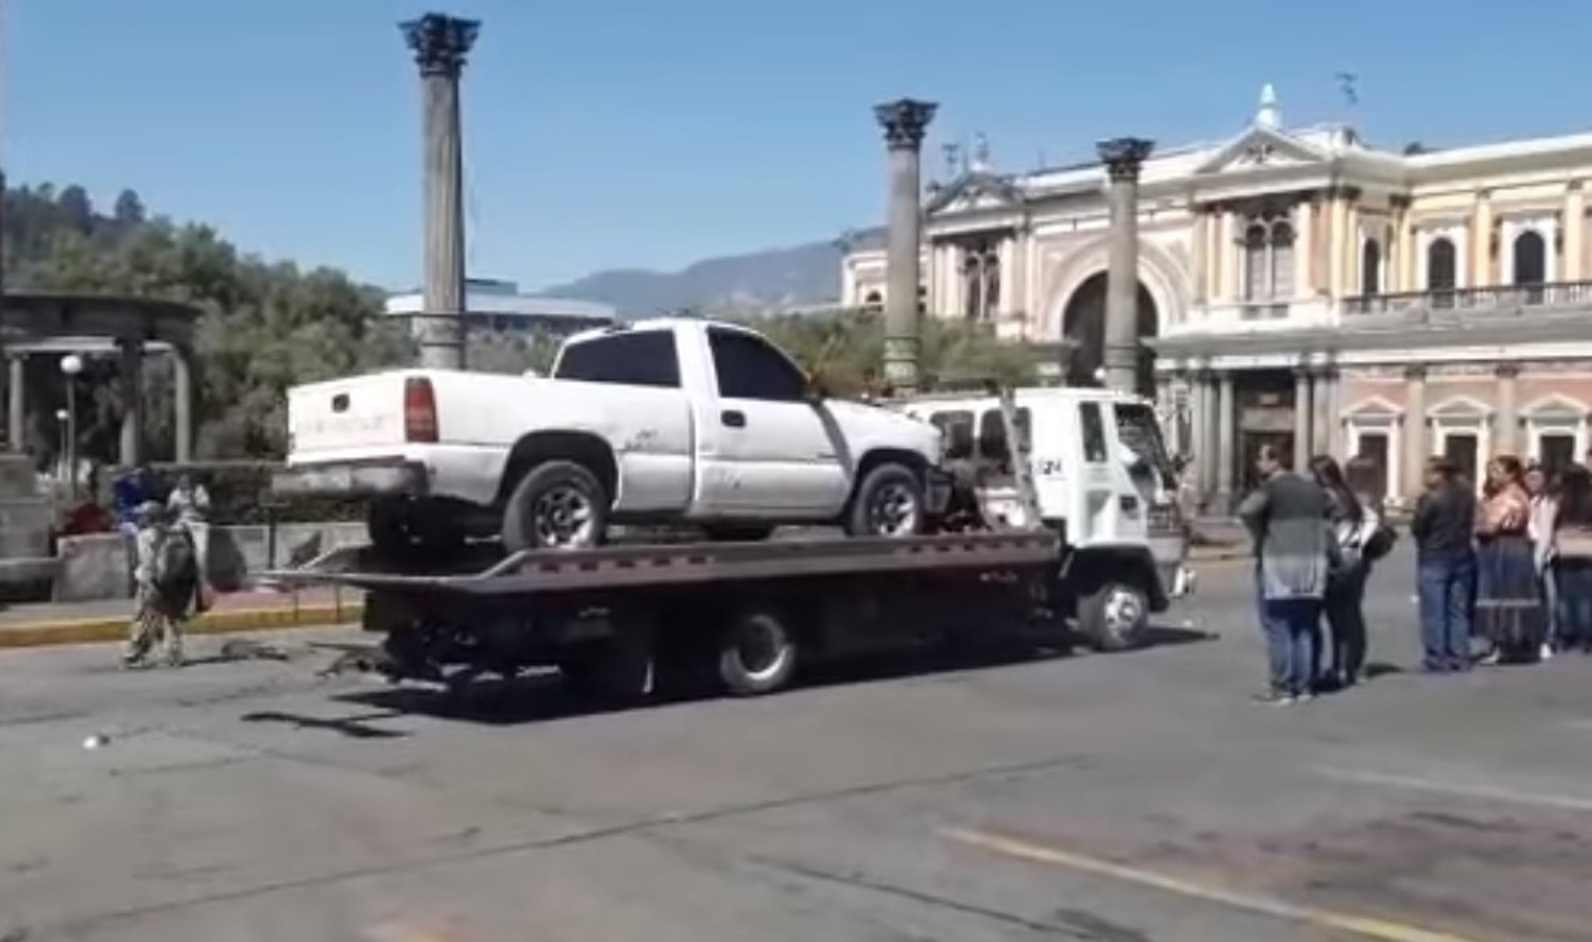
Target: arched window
873, 303
1268, 253
1531, 264
1442, 271
1371, 267
981, 280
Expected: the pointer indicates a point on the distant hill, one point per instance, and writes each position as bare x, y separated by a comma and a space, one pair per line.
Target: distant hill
757, 282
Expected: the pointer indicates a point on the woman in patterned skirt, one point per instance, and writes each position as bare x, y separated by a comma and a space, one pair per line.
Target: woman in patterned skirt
1509, 610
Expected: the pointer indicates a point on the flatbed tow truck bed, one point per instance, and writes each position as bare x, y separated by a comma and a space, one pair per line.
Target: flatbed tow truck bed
624, 621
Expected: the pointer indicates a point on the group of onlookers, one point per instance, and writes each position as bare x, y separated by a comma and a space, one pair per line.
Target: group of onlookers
1512, 567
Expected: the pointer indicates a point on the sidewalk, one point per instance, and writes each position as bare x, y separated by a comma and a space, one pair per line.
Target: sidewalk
47, 623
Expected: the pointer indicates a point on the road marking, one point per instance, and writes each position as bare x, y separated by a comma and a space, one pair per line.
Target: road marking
1513, 796
1363, 926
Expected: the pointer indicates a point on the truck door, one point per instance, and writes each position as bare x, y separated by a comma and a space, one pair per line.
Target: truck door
1095, 505
764, 448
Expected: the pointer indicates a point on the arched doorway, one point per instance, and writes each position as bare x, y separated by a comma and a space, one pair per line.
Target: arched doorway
1083, 329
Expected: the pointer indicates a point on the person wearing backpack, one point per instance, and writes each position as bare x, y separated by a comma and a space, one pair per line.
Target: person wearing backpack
1353, 524
166, 581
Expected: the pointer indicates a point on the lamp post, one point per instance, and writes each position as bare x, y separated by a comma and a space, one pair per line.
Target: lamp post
71, 366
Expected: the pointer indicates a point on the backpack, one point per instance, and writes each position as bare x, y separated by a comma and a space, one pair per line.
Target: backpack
176, 564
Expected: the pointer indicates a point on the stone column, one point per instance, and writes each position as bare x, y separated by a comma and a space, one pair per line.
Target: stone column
1574, 233
1324, 440
1337, 234
16, 403
1416, 449
1226, 256
1123, 158
182, 405
440, 44
1200, 263
1506, 437
1304, 241
1203, 447
132, 381
1226, 441
1303, 412
1481, 275
904, 122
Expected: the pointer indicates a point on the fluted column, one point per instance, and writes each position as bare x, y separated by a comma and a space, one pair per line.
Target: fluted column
1304, 410
1416, 449
1123, 157
1226, 440
182, 405
904, 122
440, 44
16, 403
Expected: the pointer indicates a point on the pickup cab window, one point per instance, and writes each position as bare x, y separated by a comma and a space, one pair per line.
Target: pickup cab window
631, 358
747, 367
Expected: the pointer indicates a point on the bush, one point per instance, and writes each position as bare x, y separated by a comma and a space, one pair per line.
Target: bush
240, 493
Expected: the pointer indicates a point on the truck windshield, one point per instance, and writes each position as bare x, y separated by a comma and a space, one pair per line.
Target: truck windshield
1140, 434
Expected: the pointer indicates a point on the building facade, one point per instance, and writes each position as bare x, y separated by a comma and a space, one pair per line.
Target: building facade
500, 306
1299, 288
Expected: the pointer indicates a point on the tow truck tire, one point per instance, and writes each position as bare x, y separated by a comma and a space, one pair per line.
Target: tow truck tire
1114, 616
757, 655
547, 498
889, 503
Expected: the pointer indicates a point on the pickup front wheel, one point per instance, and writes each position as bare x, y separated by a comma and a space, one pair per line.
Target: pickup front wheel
889, 502
557, 505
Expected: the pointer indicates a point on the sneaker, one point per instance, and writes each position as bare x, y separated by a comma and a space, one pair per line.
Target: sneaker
1491, 658
1545, 653
1303, 697
1274, 698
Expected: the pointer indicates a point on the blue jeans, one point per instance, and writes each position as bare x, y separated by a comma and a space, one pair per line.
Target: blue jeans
1292, 628
1573, 582
1446, 588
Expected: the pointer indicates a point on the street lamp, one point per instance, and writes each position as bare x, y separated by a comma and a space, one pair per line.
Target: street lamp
71, 365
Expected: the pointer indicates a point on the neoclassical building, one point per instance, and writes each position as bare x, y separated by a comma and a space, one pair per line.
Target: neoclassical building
1302, 288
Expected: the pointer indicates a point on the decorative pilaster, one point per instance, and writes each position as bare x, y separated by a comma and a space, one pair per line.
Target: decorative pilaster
1304, 411
1226, 440
1200, 263
1574, 232
904, 122
440, 44
1325, 434
1506, 435
1481, 274
1304, 237
1124, 157
1416, 447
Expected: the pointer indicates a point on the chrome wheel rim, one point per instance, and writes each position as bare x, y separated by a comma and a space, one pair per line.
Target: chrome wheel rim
563, 516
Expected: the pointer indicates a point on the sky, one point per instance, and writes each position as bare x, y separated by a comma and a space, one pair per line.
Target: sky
623, 133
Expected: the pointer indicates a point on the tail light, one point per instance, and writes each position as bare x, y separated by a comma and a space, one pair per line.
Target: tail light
420, 411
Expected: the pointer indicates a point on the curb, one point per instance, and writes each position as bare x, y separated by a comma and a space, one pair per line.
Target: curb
102, 630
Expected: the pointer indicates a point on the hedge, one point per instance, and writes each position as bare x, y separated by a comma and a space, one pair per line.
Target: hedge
240, 493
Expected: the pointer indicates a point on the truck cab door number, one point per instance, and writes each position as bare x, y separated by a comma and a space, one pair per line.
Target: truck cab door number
1048, 467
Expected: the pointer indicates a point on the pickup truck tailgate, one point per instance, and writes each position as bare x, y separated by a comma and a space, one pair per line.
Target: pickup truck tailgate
343, 414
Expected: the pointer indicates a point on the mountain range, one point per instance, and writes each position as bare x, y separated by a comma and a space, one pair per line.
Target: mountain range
758, 282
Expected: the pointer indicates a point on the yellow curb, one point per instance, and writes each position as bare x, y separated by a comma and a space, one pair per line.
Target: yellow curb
99, 630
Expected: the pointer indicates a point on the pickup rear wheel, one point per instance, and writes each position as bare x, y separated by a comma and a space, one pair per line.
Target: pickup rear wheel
557, 505
889, 502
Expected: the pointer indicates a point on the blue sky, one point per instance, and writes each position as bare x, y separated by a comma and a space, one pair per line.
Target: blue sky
632, 134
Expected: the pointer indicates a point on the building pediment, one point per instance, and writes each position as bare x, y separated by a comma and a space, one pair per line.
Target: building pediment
975, 192
1261, 147
1374, 407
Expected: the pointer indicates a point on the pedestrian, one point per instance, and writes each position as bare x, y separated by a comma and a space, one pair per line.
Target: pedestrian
1353, 523
165, 574
1445, 518
1508, 604
1572, 560
1287, 517
189, 504
1539, 529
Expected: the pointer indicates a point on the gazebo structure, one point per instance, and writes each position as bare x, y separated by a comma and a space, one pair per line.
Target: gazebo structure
93, 326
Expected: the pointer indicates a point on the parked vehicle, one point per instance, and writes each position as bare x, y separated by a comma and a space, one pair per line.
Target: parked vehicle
657, 422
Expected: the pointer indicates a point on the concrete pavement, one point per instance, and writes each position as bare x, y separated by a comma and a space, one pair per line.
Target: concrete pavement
1121, 798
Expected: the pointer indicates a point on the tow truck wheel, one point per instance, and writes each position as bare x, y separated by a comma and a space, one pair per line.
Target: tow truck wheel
557, 505
757, 655
889, 502
1114, 616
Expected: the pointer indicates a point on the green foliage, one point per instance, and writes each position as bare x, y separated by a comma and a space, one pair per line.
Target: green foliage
265, 326
240, 493
845, 349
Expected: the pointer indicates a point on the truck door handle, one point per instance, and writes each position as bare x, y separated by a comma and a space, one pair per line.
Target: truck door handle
734, 418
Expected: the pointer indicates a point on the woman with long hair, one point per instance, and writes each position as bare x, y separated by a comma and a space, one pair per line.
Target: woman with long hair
1352, 524
1544, 509
1572, 560
1509, 610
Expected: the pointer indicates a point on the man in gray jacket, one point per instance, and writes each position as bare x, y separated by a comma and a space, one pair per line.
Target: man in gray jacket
1287, 517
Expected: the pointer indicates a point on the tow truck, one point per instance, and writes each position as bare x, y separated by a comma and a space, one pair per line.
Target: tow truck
622, 622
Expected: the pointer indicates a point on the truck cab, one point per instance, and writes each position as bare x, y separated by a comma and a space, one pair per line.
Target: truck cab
1102, 479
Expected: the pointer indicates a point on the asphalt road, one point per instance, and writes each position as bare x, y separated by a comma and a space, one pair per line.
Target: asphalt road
1126, 798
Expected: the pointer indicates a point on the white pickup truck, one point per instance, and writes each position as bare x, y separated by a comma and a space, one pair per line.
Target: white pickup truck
657, 422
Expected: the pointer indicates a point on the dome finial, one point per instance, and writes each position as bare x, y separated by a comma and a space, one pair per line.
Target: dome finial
1268, 115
